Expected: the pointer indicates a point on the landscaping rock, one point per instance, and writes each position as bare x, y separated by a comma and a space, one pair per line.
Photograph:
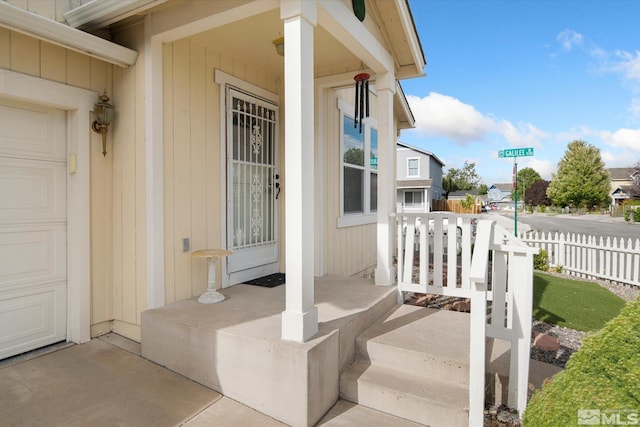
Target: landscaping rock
546, 342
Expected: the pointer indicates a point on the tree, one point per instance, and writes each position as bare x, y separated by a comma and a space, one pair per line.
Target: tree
483, 189
581, 179
465, 178
526, 177
468, 202
536, 194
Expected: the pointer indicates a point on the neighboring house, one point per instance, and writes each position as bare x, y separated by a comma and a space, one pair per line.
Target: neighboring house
419, 178
625, 184
461, 194
498, 193
218, 141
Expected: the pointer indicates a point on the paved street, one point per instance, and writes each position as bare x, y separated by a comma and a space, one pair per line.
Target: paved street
596, 225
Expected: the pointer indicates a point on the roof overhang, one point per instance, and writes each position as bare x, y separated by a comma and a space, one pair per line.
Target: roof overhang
414, 183
33, 25
99, 13
401, 106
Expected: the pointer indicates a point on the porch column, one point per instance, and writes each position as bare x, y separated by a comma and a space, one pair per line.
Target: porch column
385, 87
300, 318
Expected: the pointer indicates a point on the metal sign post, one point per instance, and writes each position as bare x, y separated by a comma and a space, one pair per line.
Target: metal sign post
515, 153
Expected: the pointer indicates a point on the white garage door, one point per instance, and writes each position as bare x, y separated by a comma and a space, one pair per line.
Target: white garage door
33, 227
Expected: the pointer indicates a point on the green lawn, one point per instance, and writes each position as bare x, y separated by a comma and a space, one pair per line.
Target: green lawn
574, 304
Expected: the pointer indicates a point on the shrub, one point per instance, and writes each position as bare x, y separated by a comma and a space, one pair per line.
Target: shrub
543, 208
541, 261
604, 375
559, 268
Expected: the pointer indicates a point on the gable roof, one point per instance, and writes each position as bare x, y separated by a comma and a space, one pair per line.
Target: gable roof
420, 150
502, 187
621, 174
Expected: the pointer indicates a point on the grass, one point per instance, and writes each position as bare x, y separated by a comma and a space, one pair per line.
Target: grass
574, 304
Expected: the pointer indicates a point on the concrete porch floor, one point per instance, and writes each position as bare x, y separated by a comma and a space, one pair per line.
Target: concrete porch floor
235, 346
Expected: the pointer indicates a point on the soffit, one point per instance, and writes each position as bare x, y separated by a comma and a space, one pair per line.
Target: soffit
251, 41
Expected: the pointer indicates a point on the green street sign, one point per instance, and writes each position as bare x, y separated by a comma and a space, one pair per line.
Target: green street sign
515, 152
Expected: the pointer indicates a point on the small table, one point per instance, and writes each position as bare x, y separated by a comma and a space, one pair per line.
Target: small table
211, 296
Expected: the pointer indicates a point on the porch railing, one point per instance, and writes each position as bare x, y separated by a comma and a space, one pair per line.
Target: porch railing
469, 257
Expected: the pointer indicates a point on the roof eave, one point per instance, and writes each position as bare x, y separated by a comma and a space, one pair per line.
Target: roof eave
22, 21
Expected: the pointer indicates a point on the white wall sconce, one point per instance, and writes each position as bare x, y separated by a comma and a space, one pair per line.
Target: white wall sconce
102, 113
279, 44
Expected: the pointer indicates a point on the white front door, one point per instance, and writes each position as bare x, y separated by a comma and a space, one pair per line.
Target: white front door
252, 186
33, 227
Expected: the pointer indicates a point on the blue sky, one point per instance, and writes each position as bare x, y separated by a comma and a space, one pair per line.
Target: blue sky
518, 73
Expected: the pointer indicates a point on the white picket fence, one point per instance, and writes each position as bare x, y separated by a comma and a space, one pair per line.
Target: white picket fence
445, 254
590, 257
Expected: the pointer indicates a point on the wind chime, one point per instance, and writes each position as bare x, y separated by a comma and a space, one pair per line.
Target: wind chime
362, 98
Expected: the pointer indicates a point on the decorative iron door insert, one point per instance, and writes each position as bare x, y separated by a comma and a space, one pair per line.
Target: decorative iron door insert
252, 217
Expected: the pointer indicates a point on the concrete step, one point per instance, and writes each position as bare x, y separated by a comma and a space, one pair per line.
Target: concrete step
418, 399
422, 342
348, 414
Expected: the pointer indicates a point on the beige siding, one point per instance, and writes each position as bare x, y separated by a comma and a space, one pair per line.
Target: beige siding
129, 191
194, 185
348, 250
52, 9
27, 55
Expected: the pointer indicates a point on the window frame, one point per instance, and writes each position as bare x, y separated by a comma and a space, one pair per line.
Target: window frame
367, 216
413, 204
417, 175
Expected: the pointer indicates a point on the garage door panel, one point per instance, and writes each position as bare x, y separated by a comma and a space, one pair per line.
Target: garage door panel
32, 254
33, 132
32, 318
33, 227
32, 190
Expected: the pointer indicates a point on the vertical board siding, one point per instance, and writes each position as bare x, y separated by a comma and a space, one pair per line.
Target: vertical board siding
194, 175
182, 166
168, 168
198, 128
23, 54
101, 202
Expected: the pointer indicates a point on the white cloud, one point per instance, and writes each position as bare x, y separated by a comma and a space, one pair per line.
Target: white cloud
525, 135
628, 64
569, 38
544, 167
443, 115
448, 117
623, 138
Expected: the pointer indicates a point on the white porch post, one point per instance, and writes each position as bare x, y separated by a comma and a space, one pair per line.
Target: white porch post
385, 87
300, 318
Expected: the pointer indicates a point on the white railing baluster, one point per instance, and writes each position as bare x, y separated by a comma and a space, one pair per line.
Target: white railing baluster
452, 255
409, 252
437, 251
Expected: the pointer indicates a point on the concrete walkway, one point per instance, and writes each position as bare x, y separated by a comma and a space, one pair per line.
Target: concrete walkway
105, 382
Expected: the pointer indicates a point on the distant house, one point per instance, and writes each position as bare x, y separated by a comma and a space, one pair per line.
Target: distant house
499, 193
625, 184
419, 178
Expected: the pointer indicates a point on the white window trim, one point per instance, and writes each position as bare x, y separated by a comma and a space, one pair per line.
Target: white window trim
408, 168
355, 219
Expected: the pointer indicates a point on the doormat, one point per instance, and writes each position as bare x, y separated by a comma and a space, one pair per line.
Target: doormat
269, 281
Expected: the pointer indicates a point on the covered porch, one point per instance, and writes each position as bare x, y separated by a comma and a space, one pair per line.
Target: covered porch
235, 347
